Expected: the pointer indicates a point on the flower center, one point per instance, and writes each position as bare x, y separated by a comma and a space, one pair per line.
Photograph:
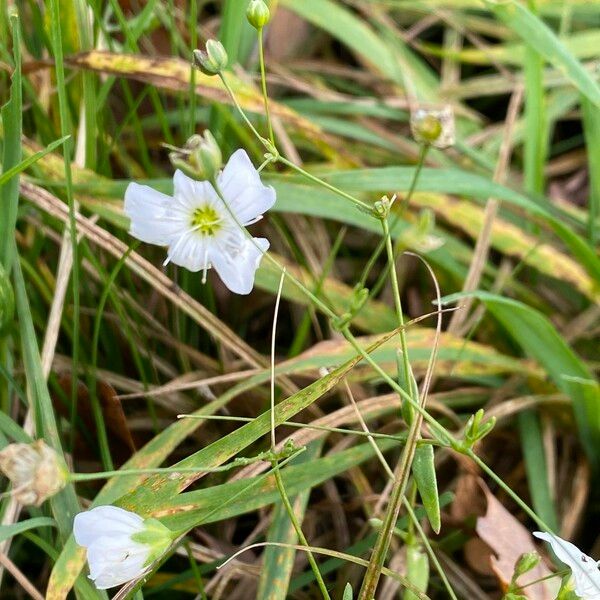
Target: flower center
206, 220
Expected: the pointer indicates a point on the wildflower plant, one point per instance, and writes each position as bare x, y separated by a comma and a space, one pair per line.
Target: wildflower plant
206, 214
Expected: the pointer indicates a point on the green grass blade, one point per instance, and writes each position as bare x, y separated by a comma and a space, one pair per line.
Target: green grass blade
8, 531
536, 137
11, 157
538, 36
591, 128
536, 468
30, 160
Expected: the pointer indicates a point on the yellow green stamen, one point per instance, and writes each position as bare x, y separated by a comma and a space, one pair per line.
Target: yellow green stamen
206, 220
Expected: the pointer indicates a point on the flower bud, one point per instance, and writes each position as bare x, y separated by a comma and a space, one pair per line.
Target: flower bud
526, 562
433, 127
35, 470
208, 156
258, 14
7, 300
200, 158
213, 60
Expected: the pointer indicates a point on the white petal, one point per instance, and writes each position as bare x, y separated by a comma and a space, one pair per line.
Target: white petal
193, 194
243, 190
113, 563
585, 569
105, 521
190, 251
237, 270
154, 218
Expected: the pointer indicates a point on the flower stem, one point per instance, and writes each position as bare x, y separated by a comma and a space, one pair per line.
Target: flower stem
499, 481
324, 184
298, 529
263, 79
430, 552
381, 245
242, 113
270, 147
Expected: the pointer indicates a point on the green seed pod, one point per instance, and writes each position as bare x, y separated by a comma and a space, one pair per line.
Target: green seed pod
433, 127
258, 14
7, 300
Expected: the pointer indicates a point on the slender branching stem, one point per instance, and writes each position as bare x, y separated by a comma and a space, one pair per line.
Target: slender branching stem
263, 79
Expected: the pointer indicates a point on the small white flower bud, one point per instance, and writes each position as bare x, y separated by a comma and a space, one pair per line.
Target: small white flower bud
433, 127
213, 60
258, 14
35, 470
121, 545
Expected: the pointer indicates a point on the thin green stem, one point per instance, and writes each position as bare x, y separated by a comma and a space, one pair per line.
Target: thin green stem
398, 306
77, 477
243, 114
498, 480
270, 147
275, 462
381, 245
328, 186
430, 552
263, 79
301, 538
193, 20
413, 184
380, 550
296, 425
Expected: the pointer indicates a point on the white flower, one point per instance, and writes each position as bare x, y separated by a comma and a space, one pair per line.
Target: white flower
584, 568
121, 546
199, 229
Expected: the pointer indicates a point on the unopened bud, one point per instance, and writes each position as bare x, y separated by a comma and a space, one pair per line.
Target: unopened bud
258, 14
525, 563
213, 60
200, 158
35, 471
476, 429
433, 127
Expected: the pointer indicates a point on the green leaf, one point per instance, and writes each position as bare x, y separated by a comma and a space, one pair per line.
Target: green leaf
161, 488
417, 570
423, 469
348, 593
217, 503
